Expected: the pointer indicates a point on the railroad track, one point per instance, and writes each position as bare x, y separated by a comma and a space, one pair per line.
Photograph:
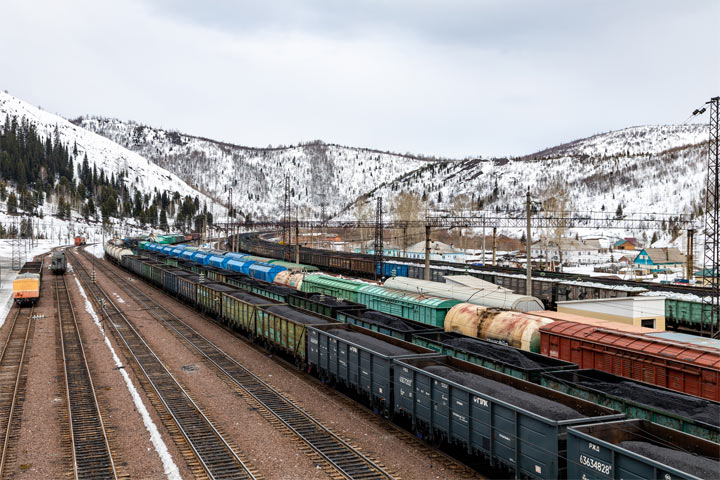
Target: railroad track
213, 455
91, 454
13, 376
344, 459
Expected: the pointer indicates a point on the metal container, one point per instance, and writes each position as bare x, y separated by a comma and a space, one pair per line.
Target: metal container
685, 413
386, 324
322, 304
683, 367
501, 358
362, 368
526, 442
240, 309
421, 308
284, 329
597, 451
517, 329
209, 297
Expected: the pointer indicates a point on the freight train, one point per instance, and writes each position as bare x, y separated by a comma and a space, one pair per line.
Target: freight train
491, 404
518, 329
26, 286
549, 287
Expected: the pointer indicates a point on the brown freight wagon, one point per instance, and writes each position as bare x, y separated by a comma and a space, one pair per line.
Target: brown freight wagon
678, 366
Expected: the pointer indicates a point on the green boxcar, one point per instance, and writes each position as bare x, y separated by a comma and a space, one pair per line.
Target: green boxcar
591, 385
285, 329
240, 309
323, 304
391, 325
684, 313
421, 308
209, 297
501, 358
172, 261
147, 267
336, 287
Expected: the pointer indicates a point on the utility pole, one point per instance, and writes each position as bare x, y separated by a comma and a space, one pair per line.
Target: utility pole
711, 307
483, 242
689, 257
379, 247
297, 235
494, 245
528, 243
286, 217
427, 252
228, 232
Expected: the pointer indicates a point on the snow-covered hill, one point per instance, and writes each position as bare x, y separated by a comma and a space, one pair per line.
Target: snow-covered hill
142, 174
318, 172
643, 140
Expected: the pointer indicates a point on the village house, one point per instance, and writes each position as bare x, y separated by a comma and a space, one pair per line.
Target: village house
626, 244
659, 260
574, 252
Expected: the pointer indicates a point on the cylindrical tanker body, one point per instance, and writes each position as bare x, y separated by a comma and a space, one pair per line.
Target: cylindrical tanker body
116, 252
517, 329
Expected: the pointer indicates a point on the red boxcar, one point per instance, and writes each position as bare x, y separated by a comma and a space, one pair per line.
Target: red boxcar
679, 366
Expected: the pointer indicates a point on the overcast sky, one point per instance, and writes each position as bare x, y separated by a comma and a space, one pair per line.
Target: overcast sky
447, 77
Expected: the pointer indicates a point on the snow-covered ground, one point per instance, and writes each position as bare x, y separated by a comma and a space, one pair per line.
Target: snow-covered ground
7, 275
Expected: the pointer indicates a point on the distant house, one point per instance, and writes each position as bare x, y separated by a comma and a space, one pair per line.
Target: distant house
574, 252
657, 259
626, 244
438, 251
625, 259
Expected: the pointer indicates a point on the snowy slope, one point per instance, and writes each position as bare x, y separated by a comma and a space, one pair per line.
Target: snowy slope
644, 169
643, 140
318, 172
108, 156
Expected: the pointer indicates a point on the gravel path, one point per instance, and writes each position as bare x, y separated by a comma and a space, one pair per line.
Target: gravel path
399, 456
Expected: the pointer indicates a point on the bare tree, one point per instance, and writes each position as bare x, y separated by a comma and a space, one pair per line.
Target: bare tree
557, 203
408, 207
363, 213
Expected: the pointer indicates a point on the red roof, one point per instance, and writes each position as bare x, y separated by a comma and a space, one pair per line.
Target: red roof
676, 351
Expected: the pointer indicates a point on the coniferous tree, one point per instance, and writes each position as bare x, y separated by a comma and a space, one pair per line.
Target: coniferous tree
12, 203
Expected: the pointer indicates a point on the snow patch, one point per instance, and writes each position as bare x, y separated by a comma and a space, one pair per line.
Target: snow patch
171, 469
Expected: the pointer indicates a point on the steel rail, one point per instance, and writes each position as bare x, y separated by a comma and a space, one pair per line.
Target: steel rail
343, 457
13, 349
91, 454
212, 451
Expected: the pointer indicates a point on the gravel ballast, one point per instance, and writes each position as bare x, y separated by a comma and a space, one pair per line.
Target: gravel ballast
527, 401
295, 315
494, 351
371, 343
702, 467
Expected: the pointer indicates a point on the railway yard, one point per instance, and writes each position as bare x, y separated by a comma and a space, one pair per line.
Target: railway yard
167, 360
115, 379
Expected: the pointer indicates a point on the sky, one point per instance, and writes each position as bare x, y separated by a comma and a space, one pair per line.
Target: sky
452, 78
